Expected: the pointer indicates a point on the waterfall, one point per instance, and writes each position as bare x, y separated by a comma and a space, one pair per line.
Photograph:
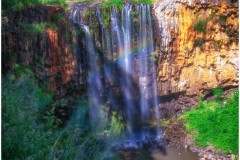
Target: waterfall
126, 27
95, 84
124, 58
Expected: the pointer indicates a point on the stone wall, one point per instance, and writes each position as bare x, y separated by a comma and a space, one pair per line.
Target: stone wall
193, 59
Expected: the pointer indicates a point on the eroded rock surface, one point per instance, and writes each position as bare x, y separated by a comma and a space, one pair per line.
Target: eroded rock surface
197, 45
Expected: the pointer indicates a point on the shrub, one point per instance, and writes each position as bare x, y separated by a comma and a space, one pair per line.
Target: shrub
17, 5
215, 123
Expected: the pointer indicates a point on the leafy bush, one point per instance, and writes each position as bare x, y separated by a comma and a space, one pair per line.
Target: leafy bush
17, 5
215, 123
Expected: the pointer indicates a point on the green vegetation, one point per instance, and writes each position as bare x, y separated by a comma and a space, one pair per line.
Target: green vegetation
109, 3
215, 122
17, 5
144, 1
198, 42
21, 103
217, 92
201, 25
153, 56
31, 130
222, 19
234, 1
37, 28
113, 127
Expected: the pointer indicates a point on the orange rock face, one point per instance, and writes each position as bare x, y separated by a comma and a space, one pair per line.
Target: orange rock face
199, 49
61, 68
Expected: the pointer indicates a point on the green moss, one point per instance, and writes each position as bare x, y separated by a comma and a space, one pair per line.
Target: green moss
215, 123
198, 42
153, 56
217, 92
35, 28
58, 18
201, 25
106, 16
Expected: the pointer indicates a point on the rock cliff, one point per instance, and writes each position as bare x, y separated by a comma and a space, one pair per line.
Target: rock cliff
41, 38
197, 45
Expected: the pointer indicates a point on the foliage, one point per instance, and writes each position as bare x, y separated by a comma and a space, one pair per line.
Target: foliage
198, 42
215, 123
234, 1
34, 29
153, 56
165, 122
17, 5
217, 92
116, 3
201, 25
37, 28
113, 127
222, 19
23, 136
144, 1
27, 136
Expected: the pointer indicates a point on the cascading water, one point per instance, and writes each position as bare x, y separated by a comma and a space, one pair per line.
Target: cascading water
126, 28
95, 84
119, 48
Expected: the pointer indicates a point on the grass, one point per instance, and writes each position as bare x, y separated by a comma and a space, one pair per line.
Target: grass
215, 123
21, 104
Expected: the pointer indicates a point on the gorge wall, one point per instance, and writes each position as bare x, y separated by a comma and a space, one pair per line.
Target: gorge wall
41, 38
197, 45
